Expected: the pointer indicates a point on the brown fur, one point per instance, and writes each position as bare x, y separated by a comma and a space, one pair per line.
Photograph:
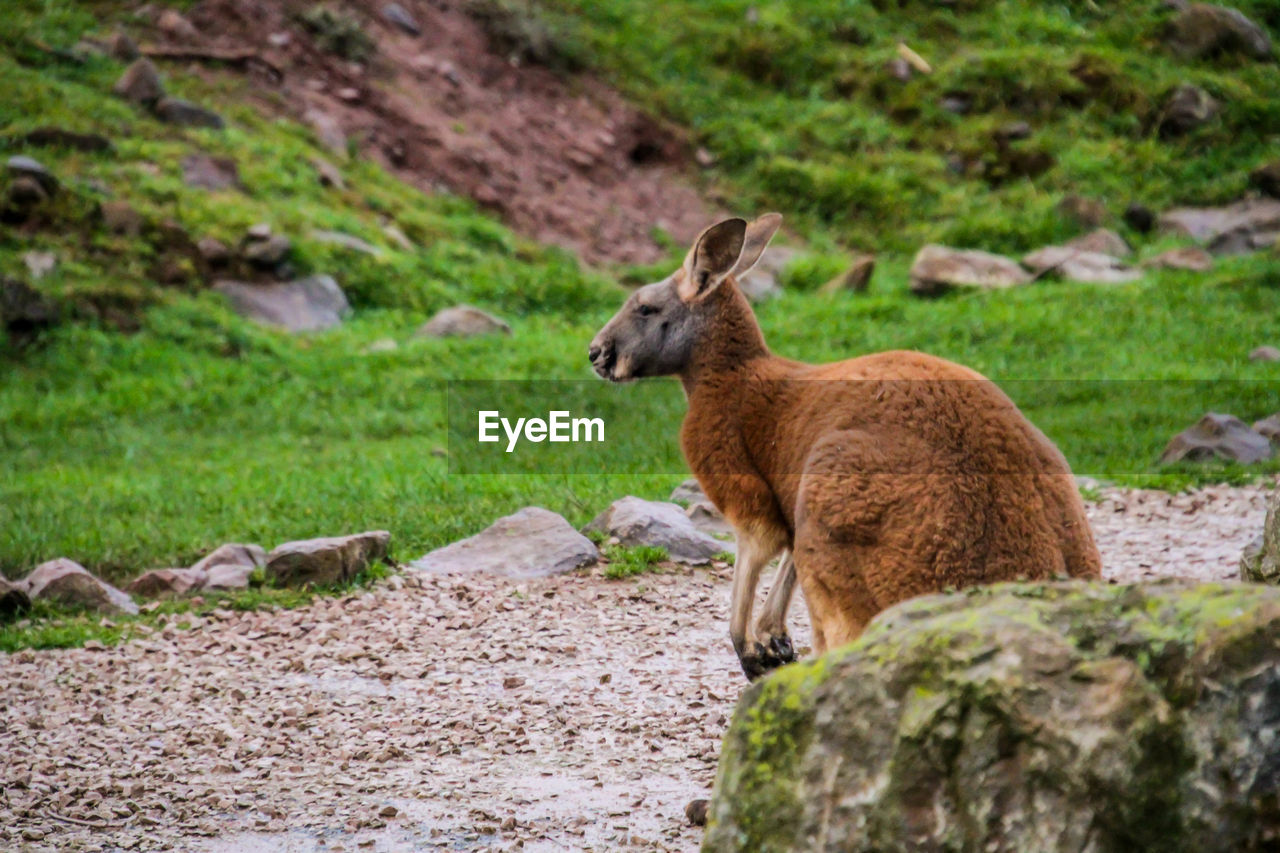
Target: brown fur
886, 477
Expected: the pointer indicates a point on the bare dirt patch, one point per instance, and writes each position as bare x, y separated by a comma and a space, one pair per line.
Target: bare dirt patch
566, 713
562, 158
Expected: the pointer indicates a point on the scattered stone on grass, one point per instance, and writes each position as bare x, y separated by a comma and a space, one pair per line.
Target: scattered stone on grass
1085, 212
233, 554
329, 174
1103, 241
1269, 428
1244, 226
688, 492
857, 278
70, 584
1265, 353
938, 269
228, 576
1078, 265
1000, 700
531, 543
635, 521
1184, 258
204, 171
119, 217
166, 583
40, 264
265, 249
1201, 30
306, 305
462, 321
58, 137
28, 167
1187, 108
329, 560
186, 114
1217, 436
176, 26
346, 241
140, 84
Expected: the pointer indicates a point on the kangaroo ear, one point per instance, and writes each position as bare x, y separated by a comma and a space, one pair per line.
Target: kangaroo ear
712, 258
759, 233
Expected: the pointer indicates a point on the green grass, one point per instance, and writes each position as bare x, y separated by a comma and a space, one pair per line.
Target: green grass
804, 118
628, 562
133, 451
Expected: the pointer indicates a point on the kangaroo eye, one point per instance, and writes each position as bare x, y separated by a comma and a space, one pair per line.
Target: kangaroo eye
646, 310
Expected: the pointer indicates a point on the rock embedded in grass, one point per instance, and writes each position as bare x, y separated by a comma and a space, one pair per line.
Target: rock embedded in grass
329, 560
1201, 30
186, 114
233, 554
311, 304
140, 84
855, 279
1185, 258
166, 583
764, 280
1079, 265
658, 524
1269, 428
531, 543
1244, 226
67, 583
204, 171
1217, 436
23, 166
938, 269
1186, 108
1045, 717
1265, 353
1104, 241
462, 321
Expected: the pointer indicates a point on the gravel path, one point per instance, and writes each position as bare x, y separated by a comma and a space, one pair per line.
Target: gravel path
438, 713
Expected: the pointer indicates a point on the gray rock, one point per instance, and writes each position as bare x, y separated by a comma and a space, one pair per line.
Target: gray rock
210, 173
176, 26
937, 269
1217, 436
1269, 428
233, 554
1103, 241
1265, 353
395, 235
122, 48
329, 174
186, 114
167, 583
1185, 258
531, 543
267, 253
40, 264
1203, 30
226, 577
21, 165
14, 601
57, 137
305, 305
706, 518
635, 521
1244, 226
1046, 717
382, 345
688, 492
1186, 108
764, 280
462, 321
1260, 562
140, 83
69, 584
899, 69
395, 13
346, 241
331, 560
119, 217
214, 251
1077, 265
328, 130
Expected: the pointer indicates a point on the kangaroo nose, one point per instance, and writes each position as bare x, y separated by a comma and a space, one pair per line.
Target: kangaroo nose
594, 352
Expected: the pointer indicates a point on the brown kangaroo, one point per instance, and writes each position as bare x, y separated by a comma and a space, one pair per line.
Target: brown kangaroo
879, 478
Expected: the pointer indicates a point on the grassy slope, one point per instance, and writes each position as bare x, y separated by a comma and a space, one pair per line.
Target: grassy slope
130, 451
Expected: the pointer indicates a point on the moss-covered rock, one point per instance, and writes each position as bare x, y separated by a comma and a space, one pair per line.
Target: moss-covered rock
1020, 717
1261, 560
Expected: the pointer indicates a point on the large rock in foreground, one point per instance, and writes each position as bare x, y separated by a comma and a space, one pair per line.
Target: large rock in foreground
1059, 717
531, 543
305, 305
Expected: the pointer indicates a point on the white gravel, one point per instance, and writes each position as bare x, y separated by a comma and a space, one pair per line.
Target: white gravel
567, 713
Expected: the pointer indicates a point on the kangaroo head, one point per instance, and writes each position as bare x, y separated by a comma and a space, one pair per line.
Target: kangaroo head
660, 325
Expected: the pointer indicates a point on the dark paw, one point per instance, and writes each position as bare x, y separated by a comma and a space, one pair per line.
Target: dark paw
761, 658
